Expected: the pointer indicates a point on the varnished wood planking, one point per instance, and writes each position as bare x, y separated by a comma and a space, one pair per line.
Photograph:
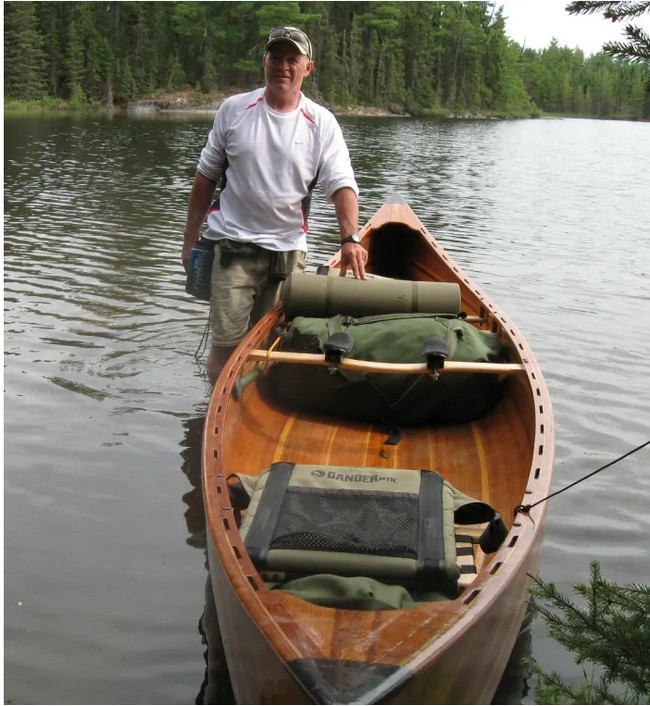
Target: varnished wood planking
477, 458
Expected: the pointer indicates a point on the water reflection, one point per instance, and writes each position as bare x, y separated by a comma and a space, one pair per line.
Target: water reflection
215, 688
191, 467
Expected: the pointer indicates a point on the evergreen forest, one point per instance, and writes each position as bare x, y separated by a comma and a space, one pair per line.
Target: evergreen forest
436, 58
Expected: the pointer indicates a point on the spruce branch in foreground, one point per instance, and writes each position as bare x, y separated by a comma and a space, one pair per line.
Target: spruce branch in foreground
610, 630
637, 47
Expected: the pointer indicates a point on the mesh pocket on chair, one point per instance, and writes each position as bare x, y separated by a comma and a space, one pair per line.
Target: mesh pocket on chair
344, 521
393, 524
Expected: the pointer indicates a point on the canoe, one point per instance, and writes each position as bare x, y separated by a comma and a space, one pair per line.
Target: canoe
284, 649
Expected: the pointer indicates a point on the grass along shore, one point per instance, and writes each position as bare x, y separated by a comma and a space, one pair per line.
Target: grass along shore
189, 100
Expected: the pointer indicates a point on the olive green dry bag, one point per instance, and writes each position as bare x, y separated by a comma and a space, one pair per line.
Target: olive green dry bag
394, 398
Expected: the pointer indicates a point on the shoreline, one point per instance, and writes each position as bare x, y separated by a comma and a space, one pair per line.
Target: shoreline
183, 102
188, 102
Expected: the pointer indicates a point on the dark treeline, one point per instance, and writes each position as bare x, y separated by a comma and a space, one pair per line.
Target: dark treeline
418, 57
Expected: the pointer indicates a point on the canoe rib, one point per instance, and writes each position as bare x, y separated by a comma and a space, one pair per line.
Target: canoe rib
281, 649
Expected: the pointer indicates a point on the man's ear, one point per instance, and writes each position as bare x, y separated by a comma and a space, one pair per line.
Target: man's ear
309, 68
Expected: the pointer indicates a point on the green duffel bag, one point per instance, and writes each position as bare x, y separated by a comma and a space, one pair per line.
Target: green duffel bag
404, 400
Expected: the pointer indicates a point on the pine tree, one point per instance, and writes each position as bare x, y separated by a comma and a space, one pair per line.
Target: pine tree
418, 57
609, 630
23, 52
637, 47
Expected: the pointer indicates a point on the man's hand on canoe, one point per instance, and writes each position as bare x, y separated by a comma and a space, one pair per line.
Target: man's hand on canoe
354, 257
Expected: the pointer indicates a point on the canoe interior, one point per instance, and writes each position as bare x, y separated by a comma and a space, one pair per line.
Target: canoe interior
488, 458
503, 458
472, 457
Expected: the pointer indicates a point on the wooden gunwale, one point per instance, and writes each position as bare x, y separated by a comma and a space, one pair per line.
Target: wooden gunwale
427, 634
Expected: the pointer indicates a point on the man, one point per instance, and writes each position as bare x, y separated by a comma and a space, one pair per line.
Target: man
268, 148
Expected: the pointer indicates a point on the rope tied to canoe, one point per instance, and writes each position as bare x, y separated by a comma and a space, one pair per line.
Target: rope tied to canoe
528, 508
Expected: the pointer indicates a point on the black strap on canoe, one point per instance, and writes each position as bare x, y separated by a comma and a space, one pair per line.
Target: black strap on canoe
262, 528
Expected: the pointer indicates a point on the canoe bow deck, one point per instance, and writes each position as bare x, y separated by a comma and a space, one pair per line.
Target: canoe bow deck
282, 649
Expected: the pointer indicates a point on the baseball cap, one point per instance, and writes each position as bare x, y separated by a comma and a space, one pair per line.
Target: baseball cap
290, 34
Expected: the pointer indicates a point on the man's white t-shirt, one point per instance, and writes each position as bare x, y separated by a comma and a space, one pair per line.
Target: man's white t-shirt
270, 160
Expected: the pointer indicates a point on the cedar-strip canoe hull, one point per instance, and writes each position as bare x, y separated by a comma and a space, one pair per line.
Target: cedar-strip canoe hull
465, 670
281, 649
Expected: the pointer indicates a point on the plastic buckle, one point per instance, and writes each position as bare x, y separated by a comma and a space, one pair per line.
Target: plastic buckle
336, 346
435, 352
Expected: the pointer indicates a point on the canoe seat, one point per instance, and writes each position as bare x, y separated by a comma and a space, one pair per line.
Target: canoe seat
393, 525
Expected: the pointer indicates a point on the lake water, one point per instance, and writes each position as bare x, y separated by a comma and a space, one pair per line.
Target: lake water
105, 564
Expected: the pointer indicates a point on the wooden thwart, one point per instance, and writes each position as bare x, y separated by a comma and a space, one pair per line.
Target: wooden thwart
372, 366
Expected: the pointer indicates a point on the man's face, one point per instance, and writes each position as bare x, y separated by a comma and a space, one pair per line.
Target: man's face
285, 68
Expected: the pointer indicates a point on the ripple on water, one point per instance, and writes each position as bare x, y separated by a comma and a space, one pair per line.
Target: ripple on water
100, 378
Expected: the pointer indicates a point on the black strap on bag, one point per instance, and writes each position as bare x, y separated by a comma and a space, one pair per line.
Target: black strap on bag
261, 531
431, 547
476, 513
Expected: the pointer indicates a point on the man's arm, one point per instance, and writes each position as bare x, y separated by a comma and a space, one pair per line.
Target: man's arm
353, 256
197, 208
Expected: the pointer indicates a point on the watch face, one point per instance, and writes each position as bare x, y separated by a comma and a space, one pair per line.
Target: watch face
351, 239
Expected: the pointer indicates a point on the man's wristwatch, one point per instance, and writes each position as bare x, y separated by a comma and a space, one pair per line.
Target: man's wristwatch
354, 238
